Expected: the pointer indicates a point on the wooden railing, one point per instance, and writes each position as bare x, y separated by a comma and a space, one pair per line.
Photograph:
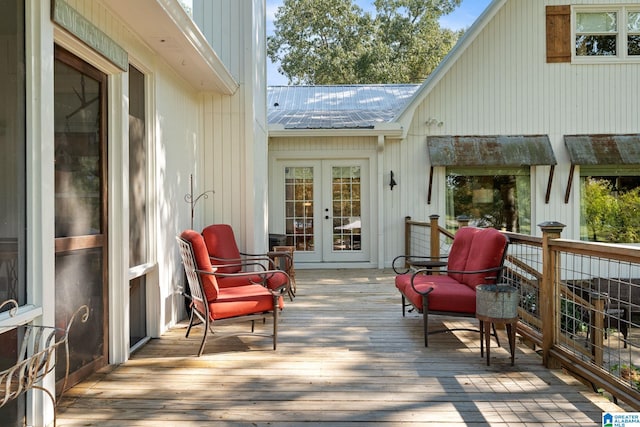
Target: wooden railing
579, 302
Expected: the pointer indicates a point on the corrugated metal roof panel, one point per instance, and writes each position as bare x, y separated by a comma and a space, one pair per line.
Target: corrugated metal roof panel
501, 150
336, 107
603, 149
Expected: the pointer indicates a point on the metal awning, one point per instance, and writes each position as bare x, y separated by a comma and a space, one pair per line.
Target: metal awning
502, 150
499, 151
605, 150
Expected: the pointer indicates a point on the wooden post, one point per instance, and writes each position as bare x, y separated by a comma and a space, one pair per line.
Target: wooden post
463, 221
407, 240
434, 240
549, 290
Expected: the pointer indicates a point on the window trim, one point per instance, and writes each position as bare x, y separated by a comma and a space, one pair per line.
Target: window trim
622, 33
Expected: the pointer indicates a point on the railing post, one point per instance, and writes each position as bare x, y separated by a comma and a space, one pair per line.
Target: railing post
434, 240
463, 220
407, 239
549, 291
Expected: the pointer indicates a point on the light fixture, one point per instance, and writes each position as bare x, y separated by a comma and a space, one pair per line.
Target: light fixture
392, 182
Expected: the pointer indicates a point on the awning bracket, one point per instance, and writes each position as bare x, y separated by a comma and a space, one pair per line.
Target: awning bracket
568, 192
548, 195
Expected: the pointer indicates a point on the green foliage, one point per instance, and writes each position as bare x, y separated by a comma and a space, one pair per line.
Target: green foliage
322, 42
611, 217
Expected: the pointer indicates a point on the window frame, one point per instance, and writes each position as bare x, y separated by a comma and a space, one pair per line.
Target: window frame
622, 34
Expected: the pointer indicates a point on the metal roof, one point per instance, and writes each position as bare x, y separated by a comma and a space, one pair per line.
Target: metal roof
336, 107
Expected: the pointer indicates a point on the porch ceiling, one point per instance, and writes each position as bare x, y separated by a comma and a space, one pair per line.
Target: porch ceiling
168, 30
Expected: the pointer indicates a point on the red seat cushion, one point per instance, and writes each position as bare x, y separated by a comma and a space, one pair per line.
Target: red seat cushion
242, 300
209, 283
221, 243
448, 294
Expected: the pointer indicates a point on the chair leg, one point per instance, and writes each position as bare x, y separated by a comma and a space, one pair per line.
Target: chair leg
190, 322
275, 326
204, 336
404, 304
425, 319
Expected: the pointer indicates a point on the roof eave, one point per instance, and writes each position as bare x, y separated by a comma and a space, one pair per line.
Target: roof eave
170, 32
388, 130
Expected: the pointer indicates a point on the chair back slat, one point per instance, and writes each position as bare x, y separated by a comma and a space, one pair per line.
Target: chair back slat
193, 278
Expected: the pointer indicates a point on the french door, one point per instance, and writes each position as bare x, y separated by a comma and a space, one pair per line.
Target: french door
80, 211
325, 209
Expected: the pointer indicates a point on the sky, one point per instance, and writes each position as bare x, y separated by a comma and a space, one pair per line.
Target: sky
461, 18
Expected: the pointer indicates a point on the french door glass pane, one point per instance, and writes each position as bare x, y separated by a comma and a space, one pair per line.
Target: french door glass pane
346, 205
299, 224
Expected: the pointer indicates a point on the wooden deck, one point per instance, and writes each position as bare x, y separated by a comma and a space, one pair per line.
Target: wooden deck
345, 356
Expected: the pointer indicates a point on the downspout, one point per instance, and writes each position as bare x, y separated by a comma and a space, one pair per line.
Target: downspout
380, 185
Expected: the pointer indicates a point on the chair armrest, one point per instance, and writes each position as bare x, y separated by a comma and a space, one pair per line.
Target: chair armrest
265, 275
228, 262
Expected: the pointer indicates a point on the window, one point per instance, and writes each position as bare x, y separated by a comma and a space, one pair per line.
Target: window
498, 198
610, 200
610, 33
138, 210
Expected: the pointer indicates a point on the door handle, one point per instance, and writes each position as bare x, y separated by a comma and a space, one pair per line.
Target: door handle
326, 217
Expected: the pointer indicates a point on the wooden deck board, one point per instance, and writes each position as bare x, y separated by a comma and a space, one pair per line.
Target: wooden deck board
345, 356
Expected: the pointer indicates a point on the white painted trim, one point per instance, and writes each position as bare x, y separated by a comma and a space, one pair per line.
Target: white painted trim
118, 207
40, 186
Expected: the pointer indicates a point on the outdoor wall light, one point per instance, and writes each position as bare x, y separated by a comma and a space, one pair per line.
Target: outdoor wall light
392, 182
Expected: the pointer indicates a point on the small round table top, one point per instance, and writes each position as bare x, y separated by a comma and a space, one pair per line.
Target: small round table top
427, 264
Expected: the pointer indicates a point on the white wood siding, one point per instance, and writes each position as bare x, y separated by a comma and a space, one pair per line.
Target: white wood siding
174, 138
503, 85
234, 156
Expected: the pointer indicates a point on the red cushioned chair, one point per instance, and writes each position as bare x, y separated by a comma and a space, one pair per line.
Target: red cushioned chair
212, 304
476, 257
237, 268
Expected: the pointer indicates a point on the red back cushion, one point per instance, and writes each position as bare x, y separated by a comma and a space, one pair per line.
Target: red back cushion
221, 243
209, 283
487, 250
459, 251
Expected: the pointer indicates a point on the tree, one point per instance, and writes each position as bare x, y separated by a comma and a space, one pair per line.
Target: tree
336, 42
